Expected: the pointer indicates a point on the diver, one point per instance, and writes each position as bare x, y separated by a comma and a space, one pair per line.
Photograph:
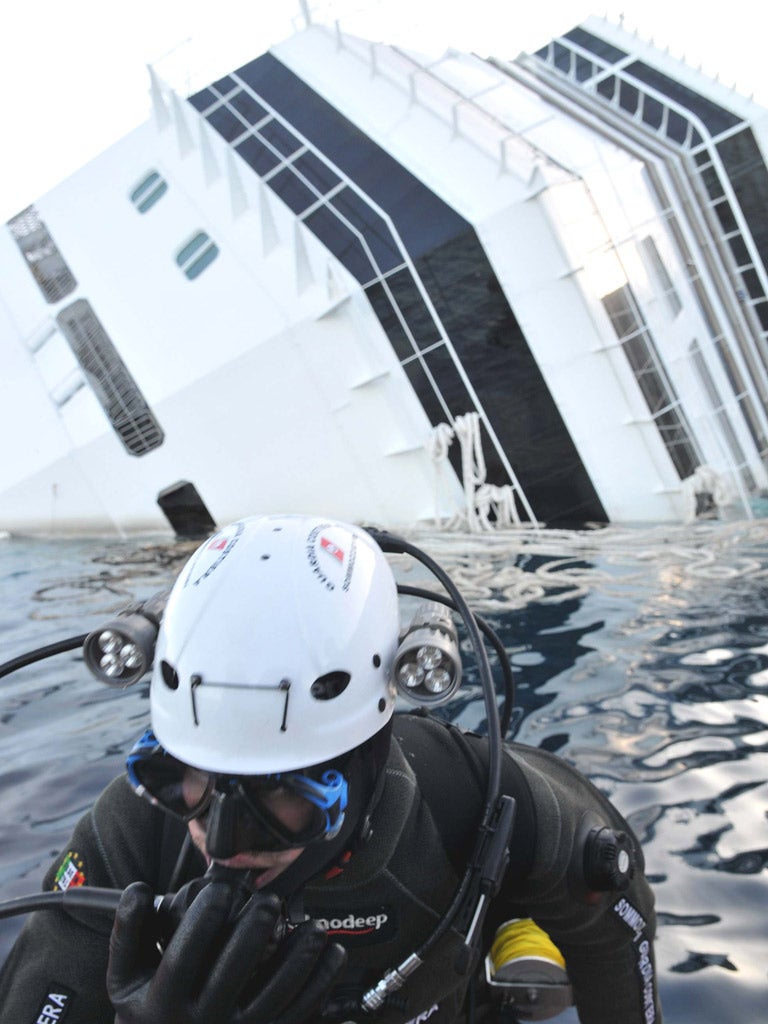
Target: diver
325, 858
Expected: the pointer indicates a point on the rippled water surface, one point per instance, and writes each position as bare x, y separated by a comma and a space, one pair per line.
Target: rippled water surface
641, 657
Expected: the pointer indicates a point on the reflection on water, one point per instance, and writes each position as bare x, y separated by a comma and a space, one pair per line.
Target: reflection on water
640, 656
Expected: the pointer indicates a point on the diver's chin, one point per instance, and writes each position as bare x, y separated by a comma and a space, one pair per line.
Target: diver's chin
259, 875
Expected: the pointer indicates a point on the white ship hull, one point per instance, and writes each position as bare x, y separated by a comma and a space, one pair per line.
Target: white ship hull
355, 258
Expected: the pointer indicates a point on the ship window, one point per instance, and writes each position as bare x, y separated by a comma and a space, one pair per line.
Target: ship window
357, 212
148, 191
292, 191
46, 264
721, 416
199, 252
595, 44
316, 172
110, 379
257, 155
248, 107
660, 275
227, 124
658, 392
344, 244
280, 138
715, 118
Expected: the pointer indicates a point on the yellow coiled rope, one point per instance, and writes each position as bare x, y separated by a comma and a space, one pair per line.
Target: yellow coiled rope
522, 938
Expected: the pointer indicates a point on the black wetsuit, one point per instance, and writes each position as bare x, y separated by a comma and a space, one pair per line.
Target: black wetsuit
389, 895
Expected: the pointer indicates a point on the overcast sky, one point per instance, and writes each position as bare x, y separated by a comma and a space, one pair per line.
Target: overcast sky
73, 74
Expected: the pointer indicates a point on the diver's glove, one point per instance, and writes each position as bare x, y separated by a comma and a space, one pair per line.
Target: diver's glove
214, 971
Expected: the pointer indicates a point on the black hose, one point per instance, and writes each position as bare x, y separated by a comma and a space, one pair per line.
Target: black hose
396, 545
80, 898
41, 653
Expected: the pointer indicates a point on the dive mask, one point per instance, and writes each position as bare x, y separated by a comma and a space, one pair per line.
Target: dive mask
282, 811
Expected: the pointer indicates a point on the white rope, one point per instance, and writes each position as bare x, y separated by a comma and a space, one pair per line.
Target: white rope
510, 568
486, 506
705, 480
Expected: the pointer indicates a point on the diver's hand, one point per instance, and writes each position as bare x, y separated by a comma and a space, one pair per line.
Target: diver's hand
214, 971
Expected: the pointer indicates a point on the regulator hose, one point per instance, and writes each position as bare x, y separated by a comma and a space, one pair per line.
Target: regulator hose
60, 647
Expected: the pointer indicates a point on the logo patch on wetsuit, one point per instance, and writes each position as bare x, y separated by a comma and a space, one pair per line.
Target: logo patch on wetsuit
55, 1005
361, 926
70, 874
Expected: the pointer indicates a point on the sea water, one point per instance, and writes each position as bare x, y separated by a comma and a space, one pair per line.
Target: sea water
640, 656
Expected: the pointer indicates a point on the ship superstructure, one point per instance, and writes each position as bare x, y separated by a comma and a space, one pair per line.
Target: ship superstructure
352, 280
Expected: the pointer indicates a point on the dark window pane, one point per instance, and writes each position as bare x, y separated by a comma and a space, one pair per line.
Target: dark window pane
378, 237
761, 308
711, 181
317, 172
342, 243
678, 128
422, 219
409, 301
427, 396
607, 87
752, 283
740, 251
203, 99
46, 264
748, 175
293, 192
562, 57
715, 118
387, 314
725, 216
675, 437
610, 54
110, 379
280, 138
227, 124
653, 112
257, 156
449, 381
628, 97
224, 85
584, 69
249, 109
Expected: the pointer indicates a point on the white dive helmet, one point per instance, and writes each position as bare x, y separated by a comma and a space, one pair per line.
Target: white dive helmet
276, 647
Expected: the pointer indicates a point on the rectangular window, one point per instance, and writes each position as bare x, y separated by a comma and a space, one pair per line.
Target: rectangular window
660, 275
663, 404
151, 188
110, 379
197, 254
46, 264
721, 416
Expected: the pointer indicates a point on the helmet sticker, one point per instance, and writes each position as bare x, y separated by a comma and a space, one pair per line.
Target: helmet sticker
210, 556
326, 557
333, 549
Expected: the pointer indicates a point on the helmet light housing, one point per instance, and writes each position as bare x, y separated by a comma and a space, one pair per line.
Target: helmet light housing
120, 652
427, 667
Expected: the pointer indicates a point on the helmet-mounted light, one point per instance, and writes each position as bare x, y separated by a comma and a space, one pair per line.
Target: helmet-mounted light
427, 663
120, 652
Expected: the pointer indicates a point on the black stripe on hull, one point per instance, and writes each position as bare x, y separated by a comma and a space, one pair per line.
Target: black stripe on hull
454, 270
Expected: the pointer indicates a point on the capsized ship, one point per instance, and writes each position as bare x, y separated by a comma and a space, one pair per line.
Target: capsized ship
349, 279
